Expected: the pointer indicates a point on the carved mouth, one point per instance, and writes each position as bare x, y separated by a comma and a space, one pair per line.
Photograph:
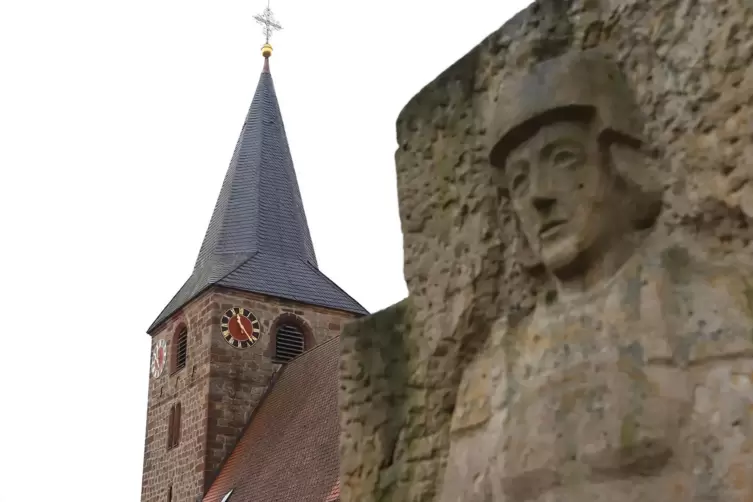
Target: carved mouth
549, 227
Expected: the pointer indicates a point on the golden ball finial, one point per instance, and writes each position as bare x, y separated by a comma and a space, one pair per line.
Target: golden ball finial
266, 50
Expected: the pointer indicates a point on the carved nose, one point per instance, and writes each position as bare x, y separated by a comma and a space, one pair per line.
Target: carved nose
543, 203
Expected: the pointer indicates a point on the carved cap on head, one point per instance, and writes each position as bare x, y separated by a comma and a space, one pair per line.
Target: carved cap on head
559, 89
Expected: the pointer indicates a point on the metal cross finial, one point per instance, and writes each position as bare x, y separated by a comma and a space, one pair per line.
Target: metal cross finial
267, 19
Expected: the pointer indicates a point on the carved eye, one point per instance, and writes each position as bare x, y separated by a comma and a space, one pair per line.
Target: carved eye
518, 172
564, 158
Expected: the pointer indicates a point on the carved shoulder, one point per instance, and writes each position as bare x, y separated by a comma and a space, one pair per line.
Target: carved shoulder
473, 405
716, 309
722, 284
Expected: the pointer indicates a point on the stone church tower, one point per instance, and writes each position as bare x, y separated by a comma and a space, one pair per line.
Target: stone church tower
255, 300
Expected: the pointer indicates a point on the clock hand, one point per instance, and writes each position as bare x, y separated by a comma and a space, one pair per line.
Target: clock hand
243, 328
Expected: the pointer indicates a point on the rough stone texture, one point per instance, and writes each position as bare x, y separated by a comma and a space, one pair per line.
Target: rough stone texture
473, 284
374, 401
218, 389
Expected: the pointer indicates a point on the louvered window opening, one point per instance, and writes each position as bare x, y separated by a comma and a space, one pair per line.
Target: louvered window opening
173, 426
288, 343
176, 426
170, 426
182, 351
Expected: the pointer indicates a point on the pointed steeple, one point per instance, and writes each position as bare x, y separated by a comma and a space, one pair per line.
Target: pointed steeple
258, 239
259, 208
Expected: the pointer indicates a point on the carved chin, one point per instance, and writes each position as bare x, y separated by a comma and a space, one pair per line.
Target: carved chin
560, 253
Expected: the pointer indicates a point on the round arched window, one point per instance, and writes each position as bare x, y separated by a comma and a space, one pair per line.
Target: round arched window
291, 337
179, 349
288, 342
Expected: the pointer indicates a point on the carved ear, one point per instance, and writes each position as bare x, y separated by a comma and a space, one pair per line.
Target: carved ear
645, 192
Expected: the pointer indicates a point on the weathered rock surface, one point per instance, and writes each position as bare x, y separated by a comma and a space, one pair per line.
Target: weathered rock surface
489, 383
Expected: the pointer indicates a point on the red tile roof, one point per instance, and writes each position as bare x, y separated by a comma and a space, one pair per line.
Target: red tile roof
289, 451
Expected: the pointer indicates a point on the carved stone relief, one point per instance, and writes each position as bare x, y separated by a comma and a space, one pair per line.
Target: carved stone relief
575, 207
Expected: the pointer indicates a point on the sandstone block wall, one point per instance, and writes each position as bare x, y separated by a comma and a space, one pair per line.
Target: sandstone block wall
239, 378
181, 467
218, 389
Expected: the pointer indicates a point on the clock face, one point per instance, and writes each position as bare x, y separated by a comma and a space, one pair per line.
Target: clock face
240, 327
159, 356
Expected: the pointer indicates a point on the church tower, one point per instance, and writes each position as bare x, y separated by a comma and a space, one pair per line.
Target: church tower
255, 300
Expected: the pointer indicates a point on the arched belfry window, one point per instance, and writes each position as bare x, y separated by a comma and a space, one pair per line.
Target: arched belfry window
289, 342
292, 336
179, 349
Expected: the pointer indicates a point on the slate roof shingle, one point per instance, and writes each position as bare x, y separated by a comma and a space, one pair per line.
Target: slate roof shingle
258, 239
290, 450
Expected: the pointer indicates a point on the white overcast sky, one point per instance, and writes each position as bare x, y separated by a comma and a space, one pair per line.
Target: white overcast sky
117, 123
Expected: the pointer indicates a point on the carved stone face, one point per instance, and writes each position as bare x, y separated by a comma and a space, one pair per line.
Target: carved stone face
560, 192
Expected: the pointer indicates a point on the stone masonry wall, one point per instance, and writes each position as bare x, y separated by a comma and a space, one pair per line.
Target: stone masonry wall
180, 467
218, 389
239, 378
690, 65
